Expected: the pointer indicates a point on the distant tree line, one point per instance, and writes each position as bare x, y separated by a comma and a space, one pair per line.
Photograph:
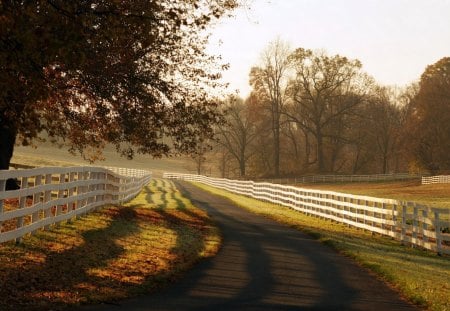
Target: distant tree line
311, 113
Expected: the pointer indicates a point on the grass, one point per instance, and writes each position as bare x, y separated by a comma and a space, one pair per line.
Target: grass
420, 276
49, 155
111, 254
435, 195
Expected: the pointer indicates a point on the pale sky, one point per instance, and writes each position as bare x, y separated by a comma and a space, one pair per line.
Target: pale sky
394, 39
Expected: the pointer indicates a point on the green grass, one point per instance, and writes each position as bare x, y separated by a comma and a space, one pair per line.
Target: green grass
111, 254
420, 276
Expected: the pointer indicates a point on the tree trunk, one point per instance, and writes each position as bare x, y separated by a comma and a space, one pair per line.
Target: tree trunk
242, 162
320, 159
277, 152
7, 140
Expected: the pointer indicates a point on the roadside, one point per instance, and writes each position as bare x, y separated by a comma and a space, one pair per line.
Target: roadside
112, 254
264, 265
421, 276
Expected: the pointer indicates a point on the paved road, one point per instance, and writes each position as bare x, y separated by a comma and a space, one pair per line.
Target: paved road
267, 266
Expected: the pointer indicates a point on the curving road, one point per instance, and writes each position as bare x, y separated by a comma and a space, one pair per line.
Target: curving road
266, 266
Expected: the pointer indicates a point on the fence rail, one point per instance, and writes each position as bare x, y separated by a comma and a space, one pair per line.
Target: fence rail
49, 195
440, 179
408, 222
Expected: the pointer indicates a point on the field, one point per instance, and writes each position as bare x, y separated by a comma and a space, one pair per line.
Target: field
49, 155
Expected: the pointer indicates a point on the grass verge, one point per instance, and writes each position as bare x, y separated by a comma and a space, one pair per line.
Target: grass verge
111, 254
420, 276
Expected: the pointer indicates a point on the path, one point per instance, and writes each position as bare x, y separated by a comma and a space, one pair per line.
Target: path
266, 266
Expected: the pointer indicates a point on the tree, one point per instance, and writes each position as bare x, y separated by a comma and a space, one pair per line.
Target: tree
429, 118
385, 121
324, 91
269, 84
131, 73
238, 132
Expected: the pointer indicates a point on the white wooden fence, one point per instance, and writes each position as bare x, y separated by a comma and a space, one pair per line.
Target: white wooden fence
440, 179
343, 178
405, 221
49, 195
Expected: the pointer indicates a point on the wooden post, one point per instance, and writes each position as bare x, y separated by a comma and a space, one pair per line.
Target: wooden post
22, 204
36, 200
424, 224
383, 216
47, 198
71, 204
80, 191
415, 228
59, 207
437, 228
403, 230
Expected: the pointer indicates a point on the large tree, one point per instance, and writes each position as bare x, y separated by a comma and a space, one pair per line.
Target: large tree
429, 118
132, 73
269, 85
324, 91
238, 132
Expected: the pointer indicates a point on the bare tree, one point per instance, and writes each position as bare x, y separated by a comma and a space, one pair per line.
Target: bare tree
238, 132
269, 82
324, 91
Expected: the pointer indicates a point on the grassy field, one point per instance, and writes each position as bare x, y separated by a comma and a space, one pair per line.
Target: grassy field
49, 155
420, 276
118, 252
435, 195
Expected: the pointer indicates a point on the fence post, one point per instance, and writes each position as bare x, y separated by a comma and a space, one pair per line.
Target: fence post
383, 216
36, 199
415, 228
59, 207
80, 192
71, 205
425, 225
437, 228
22, 204
403, 231
47, 198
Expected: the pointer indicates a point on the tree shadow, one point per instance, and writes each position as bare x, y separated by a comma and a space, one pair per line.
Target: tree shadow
32, 286
265, 266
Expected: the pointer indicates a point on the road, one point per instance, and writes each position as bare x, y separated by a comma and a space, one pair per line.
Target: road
264, 265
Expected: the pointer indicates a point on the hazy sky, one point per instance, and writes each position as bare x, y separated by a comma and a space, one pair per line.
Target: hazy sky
394, 39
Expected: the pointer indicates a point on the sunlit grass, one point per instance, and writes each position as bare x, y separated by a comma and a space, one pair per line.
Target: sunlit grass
421, 276
111, 254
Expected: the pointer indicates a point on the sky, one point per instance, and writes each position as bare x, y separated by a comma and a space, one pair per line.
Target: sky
394, 39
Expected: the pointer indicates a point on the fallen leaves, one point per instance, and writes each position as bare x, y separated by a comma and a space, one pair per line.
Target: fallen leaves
107, 255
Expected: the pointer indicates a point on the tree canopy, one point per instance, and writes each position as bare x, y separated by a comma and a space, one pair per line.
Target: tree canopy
131, 73
429, 118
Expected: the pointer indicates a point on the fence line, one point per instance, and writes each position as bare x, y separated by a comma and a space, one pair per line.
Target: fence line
440, 179
49, 195
343, 178
407, 222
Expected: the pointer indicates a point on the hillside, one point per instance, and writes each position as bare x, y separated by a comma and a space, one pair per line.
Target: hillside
46, 154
